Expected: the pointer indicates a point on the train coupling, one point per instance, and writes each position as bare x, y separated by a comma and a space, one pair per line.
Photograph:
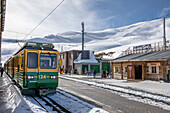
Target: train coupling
43, 90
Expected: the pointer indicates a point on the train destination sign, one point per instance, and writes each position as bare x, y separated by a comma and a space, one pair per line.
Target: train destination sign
142, 47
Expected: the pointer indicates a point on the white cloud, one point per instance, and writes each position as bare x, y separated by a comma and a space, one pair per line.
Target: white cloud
23, 15
165, 11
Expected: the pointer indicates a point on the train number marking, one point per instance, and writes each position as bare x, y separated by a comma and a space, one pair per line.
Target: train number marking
42, 77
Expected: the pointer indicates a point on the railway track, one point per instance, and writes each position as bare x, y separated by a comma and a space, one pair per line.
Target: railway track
50, 102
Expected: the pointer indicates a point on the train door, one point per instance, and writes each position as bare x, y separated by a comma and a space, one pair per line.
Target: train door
32, 67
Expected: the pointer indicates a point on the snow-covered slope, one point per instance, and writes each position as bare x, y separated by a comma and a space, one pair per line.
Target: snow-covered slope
109, 40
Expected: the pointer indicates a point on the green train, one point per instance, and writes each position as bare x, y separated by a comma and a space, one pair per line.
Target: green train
34, 68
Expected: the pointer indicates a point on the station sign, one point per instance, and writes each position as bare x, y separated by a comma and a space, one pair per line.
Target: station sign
153, 64
142, 47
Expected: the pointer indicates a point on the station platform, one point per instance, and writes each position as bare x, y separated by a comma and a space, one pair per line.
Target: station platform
4, 92
11, 101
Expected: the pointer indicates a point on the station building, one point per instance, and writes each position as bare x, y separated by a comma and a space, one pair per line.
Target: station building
153, 65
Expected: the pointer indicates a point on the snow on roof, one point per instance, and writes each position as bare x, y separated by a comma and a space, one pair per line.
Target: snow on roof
91, 60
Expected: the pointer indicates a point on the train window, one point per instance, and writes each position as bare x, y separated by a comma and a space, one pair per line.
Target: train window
48, 60
22, 59
32, 60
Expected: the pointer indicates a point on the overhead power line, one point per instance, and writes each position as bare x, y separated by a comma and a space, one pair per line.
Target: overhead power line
44, 19
20, 33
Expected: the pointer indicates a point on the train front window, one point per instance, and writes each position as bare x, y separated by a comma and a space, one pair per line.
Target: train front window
32, 60
48, 60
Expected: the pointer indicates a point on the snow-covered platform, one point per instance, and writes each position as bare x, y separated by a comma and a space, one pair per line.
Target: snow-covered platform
157, 87
11, 100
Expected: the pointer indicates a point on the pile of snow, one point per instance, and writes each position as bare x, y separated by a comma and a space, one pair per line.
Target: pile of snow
156, 87
11, 98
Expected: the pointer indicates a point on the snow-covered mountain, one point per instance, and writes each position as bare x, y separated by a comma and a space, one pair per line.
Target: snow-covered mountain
109, 40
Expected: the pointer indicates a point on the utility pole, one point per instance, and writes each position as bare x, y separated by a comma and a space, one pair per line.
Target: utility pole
164, 35
82, 36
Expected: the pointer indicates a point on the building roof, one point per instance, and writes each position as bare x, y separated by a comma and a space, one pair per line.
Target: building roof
2, 14
91, 60
148, 56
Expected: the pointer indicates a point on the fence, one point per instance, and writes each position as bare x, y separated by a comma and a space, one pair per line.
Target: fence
159, 46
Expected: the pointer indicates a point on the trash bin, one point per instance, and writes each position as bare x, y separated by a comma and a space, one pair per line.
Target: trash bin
75, 71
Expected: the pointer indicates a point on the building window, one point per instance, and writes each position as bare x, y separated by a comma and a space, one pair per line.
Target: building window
125, 69
154, 69
147, 69
63, 56
116, 69
22, 55
70, 55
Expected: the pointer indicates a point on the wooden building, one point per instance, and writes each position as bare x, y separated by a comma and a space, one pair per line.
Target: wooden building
143, 66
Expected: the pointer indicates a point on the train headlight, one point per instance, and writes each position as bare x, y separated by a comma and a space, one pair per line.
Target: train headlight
30, 77
53, 77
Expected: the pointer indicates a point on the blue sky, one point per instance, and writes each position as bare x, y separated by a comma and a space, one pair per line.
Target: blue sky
23, 15
125, 12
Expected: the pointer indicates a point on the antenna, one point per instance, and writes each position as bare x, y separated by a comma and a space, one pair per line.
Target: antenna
164, 34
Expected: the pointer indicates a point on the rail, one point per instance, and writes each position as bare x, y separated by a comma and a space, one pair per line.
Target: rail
50, 102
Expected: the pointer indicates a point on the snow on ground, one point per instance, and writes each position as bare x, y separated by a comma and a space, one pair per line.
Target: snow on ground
70, 102
158, 87
125, 91
16, 103
74, 104
35, 107
11, 99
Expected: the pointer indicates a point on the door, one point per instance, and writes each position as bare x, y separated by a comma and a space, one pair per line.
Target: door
32, 68
138, 71
106, 66
84, 69
129, 71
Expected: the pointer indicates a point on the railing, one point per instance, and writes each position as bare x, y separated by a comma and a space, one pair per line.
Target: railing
159, 46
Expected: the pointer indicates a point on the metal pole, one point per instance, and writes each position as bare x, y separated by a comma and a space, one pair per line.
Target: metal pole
164, 35
82, 36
